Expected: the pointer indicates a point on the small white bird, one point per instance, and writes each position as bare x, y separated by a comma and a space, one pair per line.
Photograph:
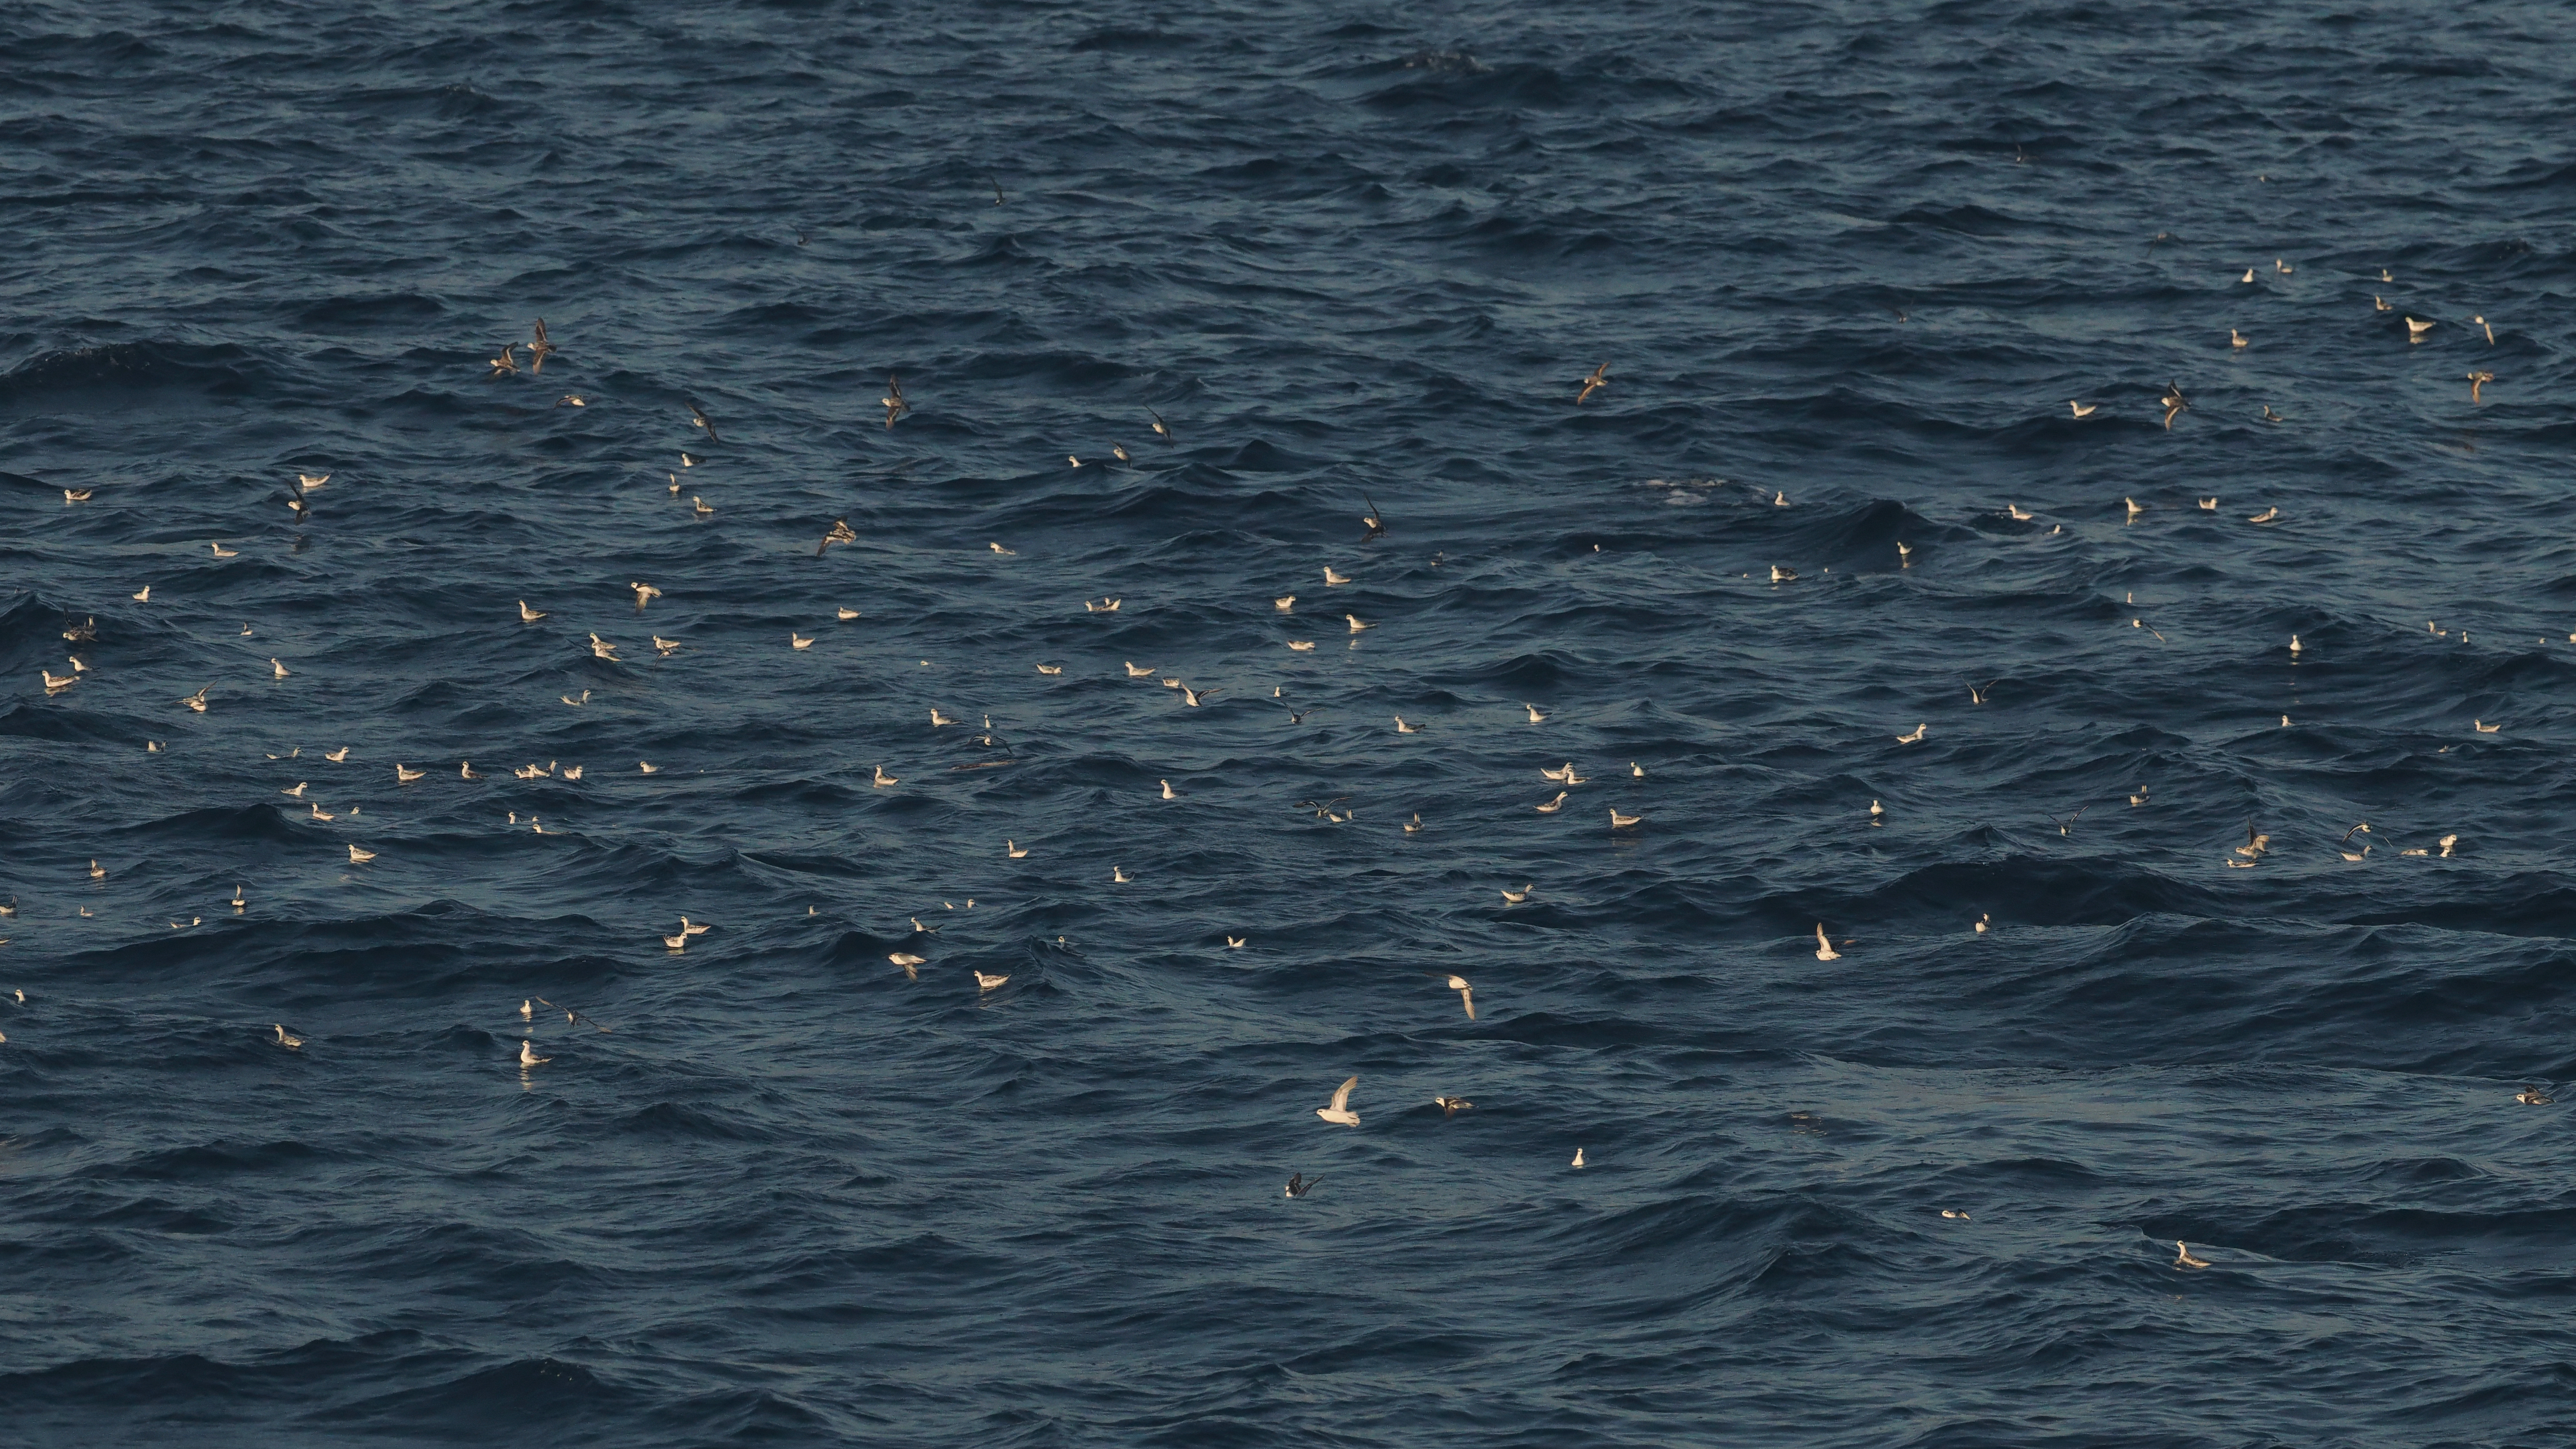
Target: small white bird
1004, 552
297, 789
1235, 943
1014, 849
291, 1043
528, 1055
1168, 792
648, 767
1135, 673
1466, 993
527, 1011
644, 593
910, 963
798, 641
1535, 715
1825, 948
1636, 771
2295, 646
1301, 646
1623, 822
1356, 625
845, 614
1332, 578
339, 756
1578, 1157
144, 597
1340, 1113
1191, 697
1050, 669
1877, 811
1117, 876
1983, 920
360, 857
2415, 329
938, 720
2249, 274
223, 552
2184, 1259
1284, 603
2209, 505
602, 649
882, 778
405, 775
2236, 339
278, 670
1915, 738
1780, 575
2268, 515
2083, 410
984, 983
1553, 806
1515, 897
2134, 509
1405, 729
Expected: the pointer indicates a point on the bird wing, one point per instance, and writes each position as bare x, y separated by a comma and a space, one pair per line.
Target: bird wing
1342, 1095
1468, 996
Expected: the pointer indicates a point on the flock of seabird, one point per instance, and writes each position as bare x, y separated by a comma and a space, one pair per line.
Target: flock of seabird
1338, 1111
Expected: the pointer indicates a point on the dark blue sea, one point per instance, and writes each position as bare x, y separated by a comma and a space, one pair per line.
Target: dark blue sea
1829, 535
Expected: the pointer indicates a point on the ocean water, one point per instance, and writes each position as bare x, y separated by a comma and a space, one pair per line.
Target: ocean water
1846, 271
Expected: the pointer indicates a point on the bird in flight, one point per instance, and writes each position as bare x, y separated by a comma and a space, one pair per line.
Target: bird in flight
1597, 379
893, 401
698, 418
1466, 993
539, 350
1340, 1113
